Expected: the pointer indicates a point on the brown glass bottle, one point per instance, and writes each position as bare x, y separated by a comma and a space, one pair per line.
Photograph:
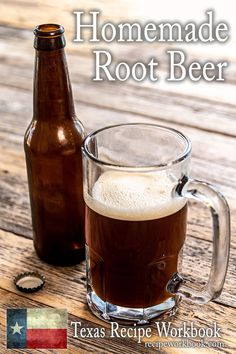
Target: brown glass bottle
53, 155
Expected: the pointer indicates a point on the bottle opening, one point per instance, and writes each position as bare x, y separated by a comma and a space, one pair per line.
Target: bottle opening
49, 30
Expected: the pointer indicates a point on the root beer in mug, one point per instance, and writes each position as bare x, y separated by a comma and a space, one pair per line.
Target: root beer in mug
136, 186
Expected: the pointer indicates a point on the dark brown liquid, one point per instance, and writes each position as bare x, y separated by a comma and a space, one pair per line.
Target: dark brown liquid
131, 262
53, 157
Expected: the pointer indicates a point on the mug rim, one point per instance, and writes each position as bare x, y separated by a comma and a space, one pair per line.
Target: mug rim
183, 156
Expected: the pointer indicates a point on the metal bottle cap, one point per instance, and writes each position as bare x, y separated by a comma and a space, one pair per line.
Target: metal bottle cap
29, 282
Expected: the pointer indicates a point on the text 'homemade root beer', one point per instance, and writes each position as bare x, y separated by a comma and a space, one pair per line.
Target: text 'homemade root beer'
135, 232
53, 155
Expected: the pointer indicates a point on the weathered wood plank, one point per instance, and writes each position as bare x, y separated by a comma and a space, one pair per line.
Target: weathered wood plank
150, 102
214, 148
65, 288
185, 103
27, 14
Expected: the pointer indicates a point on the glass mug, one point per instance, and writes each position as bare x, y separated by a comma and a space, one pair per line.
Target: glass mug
136, 187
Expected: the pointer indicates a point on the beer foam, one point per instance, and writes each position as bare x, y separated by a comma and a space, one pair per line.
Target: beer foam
134, 196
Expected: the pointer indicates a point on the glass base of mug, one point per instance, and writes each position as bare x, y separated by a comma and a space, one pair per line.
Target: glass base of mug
130, 316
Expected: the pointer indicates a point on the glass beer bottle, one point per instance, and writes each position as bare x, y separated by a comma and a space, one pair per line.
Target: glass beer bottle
53, 155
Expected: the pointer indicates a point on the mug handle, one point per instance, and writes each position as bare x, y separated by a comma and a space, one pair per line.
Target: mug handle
208, 195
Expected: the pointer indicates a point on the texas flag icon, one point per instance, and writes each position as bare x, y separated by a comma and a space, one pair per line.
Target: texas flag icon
37, 328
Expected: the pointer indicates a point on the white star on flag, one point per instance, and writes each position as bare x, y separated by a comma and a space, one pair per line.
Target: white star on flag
36, 328
17, 328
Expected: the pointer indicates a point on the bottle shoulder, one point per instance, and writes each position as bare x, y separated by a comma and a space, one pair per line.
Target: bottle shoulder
54, 136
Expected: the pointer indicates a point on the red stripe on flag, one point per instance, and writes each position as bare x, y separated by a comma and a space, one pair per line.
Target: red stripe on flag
46, 338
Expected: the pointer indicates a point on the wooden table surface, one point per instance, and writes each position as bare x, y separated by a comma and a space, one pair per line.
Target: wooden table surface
206, 114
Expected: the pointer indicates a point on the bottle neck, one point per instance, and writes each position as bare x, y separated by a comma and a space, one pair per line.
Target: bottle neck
52, 89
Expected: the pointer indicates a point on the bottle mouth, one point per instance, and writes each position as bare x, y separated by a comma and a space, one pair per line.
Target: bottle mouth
48, 30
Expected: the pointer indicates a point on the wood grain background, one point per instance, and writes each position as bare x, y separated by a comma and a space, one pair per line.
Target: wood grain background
206, 113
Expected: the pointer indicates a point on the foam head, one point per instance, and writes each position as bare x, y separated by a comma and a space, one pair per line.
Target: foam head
134, 196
